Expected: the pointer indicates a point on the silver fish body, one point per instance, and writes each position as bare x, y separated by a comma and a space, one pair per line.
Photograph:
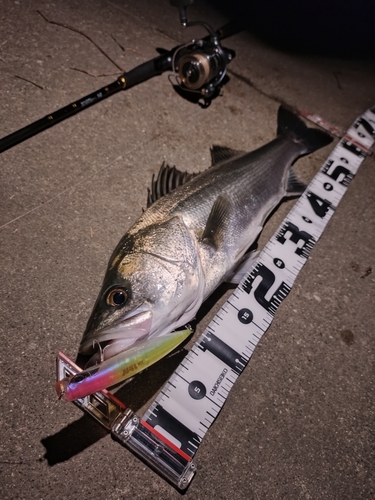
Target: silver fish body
192, 238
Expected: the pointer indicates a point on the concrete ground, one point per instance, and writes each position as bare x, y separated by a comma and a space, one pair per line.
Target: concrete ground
299, 423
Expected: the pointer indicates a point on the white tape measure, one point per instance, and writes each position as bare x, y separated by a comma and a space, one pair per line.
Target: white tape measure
169, 434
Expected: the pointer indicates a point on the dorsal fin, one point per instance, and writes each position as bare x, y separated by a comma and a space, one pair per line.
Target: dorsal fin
168, 179
221, 153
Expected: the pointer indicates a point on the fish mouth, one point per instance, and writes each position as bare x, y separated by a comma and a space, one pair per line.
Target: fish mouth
107, 343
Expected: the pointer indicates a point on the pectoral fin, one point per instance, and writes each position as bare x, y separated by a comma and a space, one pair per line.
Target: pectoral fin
218, 221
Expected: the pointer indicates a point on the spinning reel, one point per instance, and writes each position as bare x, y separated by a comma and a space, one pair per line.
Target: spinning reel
200, 66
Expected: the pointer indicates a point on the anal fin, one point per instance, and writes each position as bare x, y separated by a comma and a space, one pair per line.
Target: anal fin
294, 186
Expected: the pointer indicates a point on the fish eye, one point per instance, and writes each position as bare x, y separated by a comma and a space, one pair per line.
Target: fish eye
117, 297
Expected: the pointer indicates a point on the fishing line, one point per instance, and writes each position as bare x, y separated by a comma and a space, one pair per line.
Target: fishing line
65, 191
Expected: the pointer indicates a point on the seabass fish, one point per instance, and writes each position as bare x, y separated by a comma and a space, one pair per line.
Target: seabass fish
194, 234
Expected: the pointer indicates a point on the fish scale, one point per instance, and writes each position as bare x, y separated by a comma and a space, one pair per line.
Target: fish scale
172, 429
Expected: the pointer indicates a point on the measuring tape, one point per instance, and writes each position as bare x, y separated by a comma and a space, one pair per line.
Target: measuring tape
172, 429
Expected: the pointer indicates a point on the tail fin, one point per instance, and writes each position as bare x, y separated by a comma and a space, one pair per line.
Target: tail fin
311, 138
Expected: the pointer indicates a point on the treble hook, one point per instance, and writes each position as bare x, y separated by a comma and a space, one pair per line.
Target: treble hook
100, 349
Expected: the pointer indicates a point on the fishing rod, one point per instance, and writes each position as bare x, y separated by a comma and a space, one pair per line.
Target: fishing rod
199, 68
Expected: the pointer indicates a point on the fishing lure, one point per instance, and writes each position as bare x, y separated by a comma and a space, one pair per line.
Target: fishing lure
120, 367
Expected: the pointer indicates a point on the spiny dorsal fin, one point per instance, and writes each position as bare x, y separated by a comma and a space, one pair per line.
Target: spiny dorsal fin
294, 187
221, 153
168, 179
218, 221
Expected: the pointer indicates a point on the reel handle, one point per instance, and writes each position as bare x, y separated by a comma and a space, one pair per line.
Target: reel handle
181, 5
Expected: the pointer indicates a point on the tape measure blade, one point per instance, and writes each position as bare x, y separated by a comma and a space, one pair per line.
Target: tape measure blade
239, 329
363, 129
186, 398
192, 398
